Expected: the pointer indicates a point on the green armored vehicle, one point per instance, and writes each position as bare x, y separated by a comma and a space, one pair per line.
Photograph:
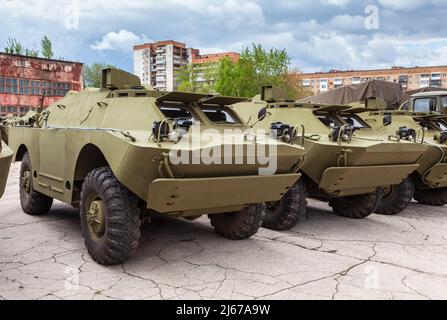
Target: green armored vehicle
428, 184
347, 162
5, 159
123, 153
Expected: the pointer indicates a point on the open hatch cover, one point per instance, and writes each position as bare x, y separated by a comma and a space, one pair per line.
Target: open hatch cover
222, 101
184, 97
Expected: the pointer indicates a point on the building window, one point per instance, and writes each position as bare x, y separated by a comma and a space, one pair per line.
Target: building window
356, 80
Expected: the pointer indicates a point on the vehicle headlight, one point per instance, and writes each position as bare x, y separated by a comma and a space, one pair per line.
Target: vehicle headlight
406, 133
343, 133
441, 137
281, 131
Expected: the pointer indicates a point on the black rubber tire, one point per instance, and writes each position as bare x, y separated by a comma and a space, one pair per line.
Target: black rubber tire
356, 207
289, 211
398, 200
432, 197
239, 225
33, 203
122, 218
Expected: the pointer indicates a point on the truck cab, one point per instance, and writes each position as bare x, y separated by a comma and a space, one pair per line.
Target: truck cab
435, 101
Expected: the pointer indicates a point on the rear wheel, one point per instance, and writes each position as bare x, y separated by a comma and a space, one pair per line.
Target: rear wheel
239, 225
396, 198
33, 203
356, 207
110, 218
432, 197
289, 211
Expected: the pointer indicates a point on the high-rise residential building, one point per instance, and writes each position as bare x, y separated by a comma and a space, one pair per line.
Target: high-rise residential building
410, 78
28, 82
157, 63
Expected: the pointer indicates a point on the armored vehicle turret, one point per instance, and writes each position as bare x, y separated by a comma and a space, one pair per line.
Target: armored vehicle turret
347, 161
124, 153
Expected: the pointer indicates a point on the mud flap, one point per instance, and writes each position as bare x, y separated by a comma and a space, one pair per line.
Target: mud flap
5, 164
437, 177
171, 195
349, 178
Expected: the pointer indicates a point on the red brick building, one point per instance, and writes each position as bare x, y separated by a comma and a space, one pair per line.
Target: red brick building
410, 78
24, 80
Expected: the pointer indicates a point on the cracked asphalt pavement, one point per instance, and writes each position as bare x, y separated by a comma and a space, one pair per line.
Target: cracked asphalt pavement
325, 257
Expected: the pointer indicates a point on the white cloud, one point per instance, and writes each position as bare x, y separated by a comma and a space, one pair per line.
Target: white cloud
338, 3
122, 40
406, 5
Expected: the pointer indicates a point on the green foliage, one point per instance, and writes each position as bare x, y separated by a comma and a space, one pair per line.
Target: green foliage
14, 47
31, 53
47, 48
93, 74
197, 78
256, 68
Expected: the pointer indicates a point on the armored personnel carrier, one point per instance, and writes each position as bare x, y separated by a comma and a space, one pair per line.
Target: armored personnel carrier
124, 152
5, 159
347, 162
428, 184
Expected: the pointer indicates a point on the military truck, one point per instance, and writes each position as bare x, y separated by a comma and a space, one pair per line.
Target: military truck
428, 184
5, 159
347, 162
435, 101
124, 153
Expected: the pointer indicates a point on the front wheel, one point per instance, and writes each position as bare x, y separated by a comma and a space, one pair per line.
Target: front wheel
239, 225
356, 207
396, 198
33, 203
289, 211
110, 218
432, 197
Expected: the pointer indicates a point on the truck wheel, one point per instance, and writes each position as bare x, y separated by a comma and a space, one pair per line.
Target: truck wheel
432, 197
356, 207
396, 198
239, 225
287, 213
110, 218
33, 203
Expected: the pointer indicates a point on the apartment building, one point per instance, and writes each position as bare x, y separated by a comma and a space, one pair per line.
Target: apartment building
157, 63
409, 78
27, 82
205, 66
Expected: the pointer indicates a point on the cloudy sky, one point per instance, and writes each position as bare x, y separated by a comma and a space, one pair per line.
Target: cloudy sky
319, 34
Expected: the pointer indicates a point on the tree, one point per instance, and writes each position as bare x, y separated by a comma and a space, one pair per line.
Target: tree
14, 47
47, 48
93, 74
294, 81
31, 53
256, 68
197, 78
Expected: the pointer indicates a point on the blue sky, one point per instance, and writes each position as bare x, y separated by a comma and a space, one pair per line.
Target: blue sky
319, 34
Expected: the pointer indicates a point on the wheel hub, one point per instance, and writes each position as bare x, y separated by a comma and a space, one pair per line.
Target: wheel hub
96, 219
26, 181
387, 191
